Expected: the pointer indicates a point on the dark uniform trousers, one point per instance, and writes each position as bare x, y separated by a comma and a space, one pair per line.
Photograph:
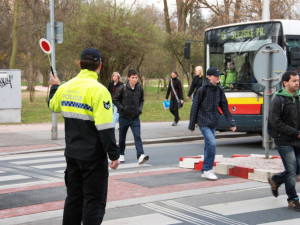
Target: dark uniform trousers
86, 183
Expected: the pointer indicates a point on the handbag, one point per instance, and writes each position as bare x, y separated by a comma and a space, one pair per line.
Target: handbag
178, 100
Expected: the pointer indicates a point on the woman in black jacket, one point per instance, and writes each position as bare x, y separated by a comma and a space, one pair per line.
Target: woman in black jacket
112, 88
173, 102
197, 81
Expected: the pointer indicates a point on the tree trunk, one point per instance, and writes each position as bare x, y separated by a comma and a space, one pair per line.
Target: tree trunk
13, 57
30, 78
236, 14
226, 11
138, 69
182, 11
191, 11
167, 17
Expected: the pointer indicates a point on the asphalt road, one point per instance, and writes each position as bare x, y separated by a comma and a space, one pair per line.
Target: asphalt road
226, 201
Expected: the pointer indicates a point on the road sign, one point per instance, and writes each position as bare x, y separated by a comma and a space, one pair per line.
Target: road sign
269, 64
45, 46
58, 32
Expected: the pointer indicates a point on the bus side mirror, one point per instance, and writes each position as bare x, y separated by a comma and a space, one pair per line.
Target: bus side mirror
187, 48
295, 56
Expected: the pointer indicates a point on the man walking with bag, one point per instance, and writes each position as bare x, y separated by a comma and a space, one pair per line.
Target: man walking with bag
285, 121
206, 114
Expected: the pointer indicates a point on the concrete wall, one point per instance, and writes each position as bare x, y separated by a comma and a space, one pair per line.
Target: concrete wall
10, 96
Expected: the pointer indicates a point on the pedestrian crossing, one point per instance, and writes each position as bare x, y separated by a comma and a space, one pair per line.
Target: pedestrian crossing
31, 168
172, 212
47, 167
37, 167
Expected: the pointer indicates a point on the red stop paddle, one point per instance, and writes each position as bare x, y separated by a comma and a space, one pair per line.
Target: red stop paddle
46, 47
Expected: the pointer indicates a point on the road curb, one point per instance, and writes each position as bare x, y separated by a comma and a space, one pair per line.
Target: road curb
131, 143
256, 174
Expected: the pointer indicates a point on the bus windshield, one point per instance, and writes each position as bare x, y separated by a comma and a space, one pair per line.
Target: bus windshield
232, 50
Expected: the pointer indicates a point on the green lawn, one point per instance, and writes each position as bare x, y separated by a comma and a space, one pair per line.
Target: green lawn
153, 111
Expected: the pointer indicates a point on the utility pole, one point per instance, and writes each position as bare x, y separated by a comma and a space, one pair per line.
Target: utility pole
52, 41
266, 10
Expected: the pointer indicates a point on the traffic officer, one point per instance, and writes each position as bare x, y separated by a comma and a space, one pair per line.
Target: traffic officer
86, 106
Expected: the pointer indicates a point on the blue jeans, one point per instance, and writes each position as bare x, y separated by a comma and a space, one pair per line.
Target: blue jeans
115, 115
209, 148
290, 156
135, 126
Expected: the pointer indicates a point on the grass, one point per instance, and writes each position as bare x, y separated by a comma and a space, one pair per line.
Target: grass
153, 110
36, 111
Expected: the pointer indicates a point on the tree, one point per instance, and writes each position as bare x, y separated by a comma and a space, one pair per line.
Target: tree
123, 37
183, 7
234, 11
6, 15
15, 35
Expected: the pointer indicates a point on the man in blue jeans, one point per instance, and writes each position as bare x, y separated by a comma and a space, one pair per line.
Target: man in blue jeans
206, 114
285, 121
129, 100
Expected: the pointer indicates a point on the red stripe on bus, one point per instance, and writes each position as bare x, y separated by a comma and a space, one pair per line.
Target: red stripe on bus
244, 109
253, 109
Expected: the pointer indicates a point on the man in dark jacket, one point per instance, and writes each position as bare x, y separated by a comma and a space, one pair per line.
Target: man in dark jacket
286, 124
90, 136
129, 100
206, 114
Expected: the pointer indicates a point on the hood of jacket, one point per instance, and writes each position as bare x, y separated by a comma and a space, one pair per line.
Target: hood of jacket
285, 93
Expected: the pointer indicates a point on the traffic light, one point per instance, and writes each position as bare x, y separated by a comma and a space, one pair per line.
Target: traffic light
187, 47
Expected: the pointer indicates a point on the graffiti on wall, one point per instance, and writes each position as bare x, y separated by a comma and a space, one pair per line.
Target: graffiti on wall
6, 80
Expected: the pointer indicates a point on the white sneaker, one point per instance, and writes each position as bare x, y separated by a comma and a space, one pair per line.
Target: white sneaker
143, 158
209, 175
122, 158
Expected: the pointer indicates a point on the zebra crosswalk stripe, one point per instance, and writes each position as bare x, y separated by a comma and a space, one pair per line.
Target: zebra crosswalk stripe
49, 166
176, 214
33, 161
13, 177
203, 213
253, 205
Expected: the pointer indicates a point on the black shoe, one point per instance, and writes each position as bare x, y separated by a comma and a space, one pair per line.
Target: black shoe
274, 187
294, 204
174, 123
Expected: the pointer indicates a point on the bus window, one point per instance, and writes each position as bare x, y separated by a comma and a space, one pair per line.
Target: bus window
293, 44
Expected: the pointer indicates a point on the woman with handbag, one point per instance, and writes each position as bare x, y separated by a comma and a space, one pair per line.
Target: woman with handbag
176, 101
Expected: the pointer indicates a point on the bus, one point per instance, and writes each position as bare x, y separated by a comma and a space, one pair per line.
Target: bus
235, 46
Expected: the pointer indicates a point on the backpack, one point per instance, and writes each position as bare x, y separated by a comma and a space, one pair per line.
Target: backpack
271, 131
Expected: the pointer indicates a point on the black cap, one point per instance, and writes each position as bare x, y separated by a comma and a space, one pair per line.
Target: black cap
213, 71
90, 54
